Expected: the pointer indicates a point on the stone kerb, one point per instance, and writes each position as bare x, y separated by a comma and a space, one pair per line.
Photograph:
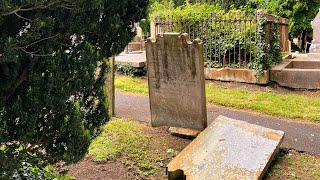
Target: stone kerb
176, 81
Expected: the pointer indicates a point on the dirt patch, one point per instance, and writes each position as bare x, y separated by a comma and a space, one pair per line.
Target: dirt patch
291, 164
161, 148
271, 87
165, 147
89, 170
155, 154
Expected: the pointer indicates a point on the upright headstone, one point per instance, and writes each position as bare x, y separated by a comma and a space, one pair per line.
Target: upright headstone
315, 44
176, 82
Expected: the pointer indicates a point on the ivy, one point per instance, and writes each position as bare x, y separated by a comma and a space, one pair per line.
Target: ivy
223, 41
260, 64
267, 54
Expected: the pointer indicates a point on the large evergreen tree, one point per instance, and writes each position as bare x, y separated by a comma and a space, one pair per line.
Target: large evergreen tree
52, 71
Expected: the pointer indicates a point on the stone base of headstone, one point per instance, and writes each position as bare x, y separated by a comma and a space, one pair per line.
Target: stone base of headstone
184, 132
314, 55
314, 51
315, 47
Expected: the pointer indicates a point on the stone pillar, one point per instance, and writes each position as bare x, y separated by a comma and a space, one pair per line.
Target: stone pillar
152, 29
315, 44
111, 88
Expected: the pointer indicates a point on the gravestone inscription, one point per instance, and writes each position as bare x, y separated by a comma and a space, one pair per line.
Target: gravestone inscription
176, 81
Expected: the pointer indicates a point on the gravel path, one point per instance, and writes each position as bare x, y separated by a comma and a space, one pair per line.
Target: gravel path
300, 136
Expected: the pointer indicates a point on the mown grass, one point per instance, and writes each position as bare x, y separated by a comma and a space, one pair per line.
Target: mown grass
133, 85
126, 141
281, 105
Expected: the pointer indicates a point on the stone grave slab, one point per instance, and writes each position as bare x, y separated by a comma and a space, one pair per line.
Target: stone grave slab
176, 81
136, 60
227, 149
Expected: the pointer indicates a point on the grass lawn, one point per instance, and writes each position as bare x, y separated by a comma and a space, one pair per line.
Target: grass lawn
281, 105
131, 150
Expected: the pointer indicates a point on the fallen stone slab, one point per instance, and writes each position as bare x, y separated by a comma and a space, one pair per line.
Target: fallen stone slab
227, 149
184, 132
136, 60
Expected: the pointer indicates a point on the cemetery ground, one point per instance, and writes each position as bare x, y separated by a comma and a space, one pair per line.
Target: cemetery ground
128, 149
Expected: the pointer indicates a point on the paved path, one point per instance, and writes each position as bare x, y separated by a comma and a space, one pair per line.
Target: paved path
303, 137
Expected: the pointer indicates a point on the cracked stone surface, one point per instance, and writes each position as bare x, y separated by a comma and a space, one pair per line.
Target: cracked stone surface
228, 149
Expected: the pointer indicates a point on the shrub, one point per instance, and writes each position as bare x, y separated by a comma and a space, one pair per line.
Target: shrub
52, 73
129, 70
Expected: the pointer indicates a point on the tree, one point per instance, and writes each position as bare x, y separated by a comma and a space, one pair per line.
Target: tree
299, 12
52, 72
226, 4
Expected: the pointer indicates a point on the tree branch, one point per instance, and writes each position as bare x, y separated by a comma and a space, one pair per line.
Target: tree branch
34, 54
23, 9
21, 78
47, 38
34, 145
22, 17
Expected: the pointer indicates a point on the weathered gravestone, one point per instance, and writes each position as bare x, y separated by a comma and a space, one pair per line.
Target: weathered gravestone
176, 82
315, 44
227, 149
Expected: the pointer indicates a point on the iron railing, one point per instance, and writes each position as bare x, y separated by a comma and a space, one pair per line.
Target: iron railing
228, 40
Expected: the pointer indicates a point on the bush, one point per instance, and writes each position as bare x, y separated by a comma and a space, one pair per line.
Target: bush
52, 73
129, 70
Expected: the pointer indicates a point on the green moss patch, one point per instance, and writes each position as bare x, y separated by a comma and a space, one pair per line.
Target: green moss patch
126, 141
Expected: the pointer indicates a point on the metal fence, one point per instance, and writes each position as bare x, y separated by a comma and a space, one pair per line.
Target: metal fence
229, 41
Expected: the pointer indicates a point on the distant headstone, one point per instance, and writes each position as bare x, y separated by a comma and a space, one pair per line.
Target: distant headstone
315, 44
176, 82
227, 149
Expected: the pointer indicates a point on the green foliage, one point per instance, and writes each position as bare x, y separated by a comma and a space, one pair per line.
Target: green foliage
261, 61
267, 54
225, 39
52, 72
299, 12
227, 4
129, 70
145, 26
30, 172
191, 11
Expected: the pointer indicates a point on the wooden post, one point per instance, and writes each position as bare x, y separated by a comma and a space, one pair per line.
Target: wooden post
111, 87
